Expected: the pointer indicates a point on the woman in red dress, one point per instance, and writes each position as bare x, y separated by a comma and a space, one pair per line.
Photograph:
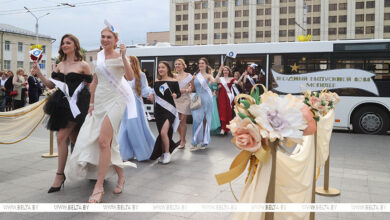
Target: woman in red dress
225, 97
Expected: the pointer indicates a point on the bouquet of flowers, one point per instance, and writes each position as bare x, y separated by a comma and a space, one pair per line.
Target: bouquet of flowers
49, 92
320, 103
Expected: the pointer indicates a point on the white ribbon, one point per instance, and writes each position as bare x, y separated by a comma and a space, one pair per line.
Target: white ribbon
71, 99
229, 93
235, 89
204, 84
169, 107
185, 81
251, 80
122, 87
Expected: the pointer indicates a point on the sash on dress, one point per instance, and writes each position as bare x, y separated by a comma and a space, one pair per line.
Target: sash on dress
229, 93
204, 84
235, 89
169, 107
185, 81
122, 87
71, 99
251, 80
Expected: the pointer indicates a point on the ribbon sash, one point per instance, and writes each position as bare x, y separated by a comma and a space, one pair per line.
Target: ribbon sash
122, 87
235, 89
204, 84
251, 80
185, 81
71, 99
169, 107
229, 93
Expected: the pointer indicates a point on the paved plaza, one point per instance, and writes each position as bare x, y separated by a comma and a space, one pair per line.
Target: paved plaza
360, 169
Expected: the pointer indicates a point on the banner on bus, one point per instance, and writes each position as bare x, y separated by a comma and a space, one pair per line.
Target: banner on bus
330, 79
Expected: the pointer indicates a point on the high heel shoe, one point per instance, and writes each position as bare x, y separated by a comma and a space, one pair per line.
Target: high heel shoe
56, 189
119, 188
93, 200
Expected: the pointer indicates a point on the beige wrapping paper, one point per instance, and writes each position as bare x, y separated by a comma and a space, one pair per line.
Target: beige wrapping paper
324, 133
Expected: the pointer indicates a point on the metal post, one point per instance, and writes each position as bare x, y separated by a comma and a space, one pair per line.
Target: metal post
272, 182
267, 73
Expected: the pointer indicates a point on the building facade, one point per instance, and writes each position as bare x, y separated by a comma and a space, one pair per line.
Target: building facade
157, 37
194, 22
15, 46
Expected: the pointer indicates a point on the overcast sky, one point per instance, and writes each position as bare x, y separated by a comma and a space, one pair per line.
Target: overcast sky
134, 18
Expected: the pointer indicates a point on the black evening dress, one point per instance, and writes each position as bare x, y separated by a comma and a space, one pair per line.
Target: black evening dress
161, 115
57, 107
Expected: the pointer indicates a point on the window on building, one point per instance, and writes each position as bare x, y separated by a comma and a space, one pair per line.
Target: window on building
245, 23
268, 1
282, 33
7, 46
197, 27
237, 35
43, 48
224, 35
291, 21
343, 6
291, 0
7, 64
370, 29
204, 36
283, 10
359, 5
197, 5
238, 2
32, 64
316, 32
387, 3
259, 11
332, 31
259, 23
185, 37
283, 1
224, 3
217, 25
308, 8
370, 17
178, 7
342, 31
204, 15
244, 35
185, 17
268, 11
204, 26
246, 2
20, 47
197, 16
282, 21
245, 13
224, 24
205, 4
224, 14
197, 36
342, 18
19, 64
291, 33
309, 20
387, 16
217, 36
268, 22
185, 27
178, 37
43, 64
259, 34
332, 19
260, 2
308, 31
359, 17
185, 7
178, 27
370, 4
316, 8
291, 9
316, 20
237, 13
267, 33
332, 7
237, 24
178, 17
90, 58
217, 14
359, 30
217, 4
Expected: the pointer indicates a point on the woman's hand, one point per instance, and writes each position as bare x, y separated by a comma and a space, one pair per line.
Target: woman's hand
90, 110
36, 70
151, 97
221, 68
174, 95
122, 49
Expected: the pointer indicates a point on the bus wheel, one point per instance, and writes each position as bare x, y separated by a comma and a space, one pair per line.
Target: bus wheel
370, 120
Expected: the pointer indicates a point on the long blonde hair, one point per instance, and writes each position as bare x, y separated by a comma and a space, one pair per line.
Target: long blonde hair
137, 73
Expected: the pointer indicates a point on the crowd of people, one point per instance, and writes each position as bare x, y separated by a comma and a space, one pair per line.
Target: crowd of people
101, 111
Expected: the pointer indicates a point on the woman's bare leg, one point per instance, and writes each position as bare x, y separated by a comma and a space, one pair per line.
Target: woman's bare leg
164, 137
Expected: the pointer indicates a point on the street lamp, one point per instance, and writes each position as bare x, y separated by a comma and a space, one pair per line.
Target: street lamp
36, 24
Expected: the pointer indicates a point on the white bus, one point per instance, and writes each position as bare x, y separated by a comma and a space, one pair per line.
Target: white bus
358, 70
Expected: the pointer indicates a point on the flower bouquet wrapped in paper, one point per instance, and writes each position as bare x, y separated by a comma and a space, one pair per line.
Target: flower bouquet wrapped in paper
320, 103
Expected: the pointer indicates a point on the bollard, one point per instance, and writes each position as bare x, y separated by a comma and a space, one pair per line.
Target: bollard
51, 154
272, 182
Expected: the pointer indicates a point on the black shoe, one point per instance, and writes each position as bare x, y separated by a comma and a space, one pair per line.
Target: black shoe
56, 189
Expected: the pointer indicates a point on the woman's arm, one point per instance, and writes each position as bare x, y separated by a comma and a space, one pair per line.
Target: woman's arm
129, 73
145, 89
216, 80
92, 89
44, 80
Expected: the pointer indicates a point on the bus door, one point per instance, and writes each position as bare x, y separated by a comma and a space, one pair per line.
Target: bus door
148, 67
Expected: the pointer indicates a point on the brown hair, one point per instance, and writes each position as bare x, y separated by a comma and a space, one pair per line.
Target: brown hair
19, 70
77, 51
168, 67
208, 68
228, 68
137, 73
116, 36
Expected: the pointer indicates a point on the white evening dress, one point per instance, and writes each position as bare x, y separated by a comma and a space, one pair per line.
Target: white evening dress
83, 162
